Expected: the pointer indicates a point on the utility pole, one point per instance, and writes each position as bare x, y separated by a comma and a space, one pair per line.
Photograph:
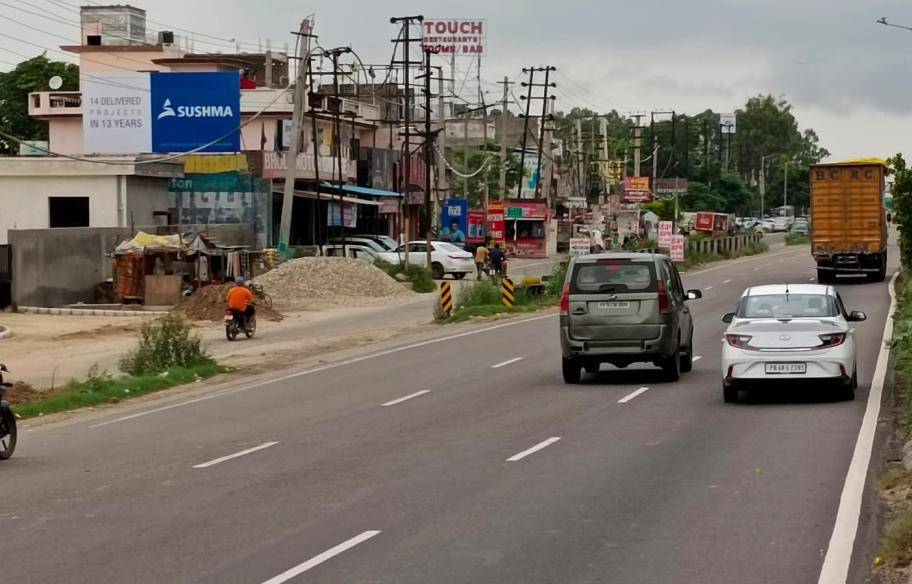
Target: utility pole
428, 143
318, 239
522, 154
441, 135
579, 157
541, 126
484, 132
763, 182
294, 146
503, 145
337, 141
406, 22
637, 143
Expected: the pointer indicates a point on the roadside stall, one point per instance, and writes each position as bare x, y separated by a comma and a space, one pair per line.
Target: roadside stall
526, 226
147, 269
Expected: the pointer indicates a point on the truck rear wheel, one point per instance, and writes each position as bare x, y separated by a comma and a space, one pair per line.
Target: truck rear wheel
824, 276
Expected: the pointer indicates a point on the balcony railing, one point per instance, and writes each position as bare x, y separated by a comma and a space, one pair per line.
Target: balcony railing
55, 103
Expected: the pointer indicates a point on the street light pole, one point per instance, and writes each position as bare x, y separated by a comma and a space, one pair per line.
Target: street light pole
763, 182
785, 191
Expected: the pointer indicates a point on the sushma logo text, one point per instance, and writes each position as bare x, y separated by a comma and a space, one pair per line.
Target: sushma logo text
195, 111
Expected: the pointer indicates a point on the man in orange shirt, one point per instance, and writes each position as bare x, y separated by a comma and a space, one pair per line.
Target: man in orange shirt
240, 300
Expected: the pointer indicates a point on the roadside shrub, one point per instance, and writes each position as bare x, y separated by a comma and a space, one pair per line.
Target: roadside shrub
163, 344
554, 287
390, 268
481, 293
421, 278
797, 239
896, 547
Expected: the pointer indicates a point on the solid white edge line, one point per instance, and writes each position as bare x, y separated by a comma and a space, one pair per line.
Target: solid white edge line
697, 358
708, 288
406, 398
838, 557
235, 455
322, 368
534, 449
505, 363
631, 396
319, 559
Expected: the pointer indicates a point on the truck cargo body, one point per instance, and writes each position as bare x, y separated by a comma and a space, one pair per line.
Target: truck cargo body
848, 220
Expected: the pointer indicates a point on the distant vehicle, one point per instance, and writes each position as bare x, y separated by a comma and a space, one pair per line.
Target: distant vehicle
848, 220
623, 308
384, 240
766, 225
446, 258
356, 251
359, 240
789, 331
780, 224
749, 223
800, 229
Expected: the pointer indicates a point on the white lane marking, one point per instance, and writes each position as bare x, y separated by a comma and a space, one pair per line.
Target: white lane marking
727, 282
406, 398
321, 368
235, 455
534, 449
811, 279
319, 559
631, 396
697, 358
756, 269
708, 288
835, 568
505, 363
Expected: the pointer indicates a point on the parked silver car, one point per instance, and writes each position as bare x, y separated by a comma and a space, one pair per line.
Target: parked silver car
623, 308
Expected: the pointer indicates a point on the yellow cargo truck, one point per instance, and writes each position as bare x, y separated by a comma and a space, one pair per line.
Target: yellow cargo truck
848, 219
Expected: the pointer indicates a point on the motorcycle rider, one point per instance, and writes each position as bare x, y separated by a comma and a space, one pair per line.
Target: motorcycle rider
241, 300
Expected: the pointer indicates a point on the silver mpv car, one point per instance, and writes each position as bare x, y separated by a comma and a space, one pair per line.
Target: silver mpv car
623, 308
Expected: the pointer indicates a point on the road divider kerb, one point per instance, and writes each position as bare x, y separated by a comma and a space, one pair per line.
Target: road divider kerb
507, 362
534, 449
343, 363
406, 398
319, 559
632, 396
838, 556
222, 459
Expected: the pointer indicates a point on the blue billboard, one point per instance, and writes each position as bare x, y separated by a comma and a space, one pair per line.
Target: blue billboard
454, 221
190, 110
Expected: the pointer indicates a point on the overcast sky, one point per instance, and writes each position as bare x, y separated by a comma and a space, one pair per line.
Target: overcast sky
849, 78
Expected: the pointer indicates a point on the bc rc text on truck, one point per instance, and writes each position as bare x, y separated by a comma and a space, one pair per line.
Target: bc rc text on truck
848, 220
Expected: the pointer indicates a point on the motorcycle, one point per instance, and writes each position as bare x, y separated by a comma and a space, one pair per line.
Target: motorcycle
7, 420
235, 323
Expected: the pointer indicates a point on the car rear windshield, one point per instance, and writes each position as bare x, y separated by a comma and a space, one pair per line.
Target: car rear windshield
613, 277
787, 306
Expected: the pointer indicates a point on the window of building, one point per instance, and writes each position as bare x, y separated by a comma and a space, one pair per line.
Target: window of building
68, 211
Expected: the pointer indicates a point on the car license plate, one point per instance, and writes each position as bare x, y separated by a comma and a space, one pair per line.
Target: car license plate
613, 305
786, 368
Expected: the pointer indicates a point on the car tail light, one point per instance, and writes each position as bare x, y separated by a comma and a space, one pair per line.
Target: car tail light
664, 302
831, 340
739, 341
565, 300
458, 257
731, 371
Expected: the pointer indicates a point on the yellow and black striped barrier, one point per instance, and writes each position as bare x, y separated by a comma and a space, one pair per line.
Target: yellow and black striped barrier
446, 298
508, 292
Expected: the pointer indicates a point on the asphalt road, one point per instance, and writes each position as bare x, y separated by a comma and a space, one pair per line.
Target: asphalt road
462, 460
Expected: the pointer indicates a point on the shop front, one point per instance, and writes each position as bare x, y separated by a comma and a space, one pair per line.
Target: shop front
526, 229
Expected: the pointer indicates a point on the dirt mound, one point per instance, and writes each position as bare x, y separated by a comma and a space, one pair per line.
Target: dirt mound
208, 303
315, 282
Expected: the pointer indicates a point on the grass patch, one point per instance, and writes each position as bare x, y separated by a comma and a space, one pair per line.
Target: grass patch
692, 260
101, 388
895, 477
797, 239
902, 344
896, 546
421, 278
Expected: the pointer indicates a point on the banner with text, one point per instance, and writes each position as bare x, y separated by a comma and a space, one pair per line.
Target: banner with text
454, 36
677, 248
666, 232
116, 113
636, 189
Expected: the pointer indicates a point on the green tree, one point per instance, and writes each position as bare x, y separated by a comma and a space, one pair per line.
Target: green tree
902, 207
15, 85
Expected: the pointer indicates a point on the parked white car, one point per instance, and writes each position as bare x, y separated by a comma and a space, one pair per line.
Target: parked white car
789, 331
446, 258
353, 250
781, 223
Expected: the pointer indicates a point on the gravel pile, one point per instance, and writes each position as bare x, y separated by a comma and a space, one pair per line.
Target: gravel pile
208, 303
319, 282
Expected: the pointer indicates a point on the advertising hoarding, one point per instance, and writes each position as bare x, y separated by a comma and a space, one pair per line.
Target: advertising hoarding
579, 246
636, 189
454, 36
454, 221
116, 113
677, 248
666, 188
496, 224
349, 215
666, 233
193, 109
476, 232
728, 123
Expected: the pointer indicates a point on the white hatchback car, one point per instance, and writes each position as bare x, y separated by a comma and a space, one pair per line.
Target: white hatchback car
789, 332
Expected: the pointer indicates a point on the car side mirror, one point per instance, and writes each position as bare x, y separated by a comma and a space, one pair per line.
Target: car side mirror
694, 295
728, 318
857, 316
